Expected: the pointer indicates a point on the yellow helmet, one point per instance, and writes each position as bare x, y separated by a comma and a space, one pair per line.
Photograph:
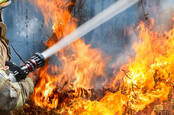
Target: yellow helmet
4, 3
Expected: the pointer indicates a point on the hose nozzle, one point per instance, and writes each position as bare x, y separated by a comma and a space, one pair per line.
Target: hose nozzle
36, 61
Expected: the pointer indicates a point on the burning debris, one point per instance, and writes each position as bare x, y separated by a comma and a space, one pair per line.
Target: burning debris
80, 85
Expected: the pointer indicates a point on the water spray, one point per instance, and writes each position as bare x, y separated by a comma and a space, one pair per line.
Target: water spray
38, 59
104, 16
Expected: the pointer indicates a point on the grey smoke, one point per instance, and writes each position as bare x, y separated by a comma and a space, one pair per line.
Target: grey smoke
162, 11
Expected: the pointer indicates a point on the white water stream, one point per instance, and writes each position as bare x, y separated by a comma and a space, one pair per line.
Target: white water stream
104, 16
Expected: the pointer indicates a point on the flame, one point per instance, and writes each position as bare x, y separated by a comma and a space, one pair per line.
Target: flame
151, 71
80, 64
149, 77
144, 79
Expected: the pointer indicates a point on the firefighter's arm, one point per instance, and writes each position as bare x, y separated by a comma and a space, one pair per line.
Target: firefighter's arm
14, 95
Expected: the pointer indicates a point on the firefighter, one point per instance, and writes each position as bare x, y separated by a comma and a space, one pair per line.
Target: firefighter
12, 94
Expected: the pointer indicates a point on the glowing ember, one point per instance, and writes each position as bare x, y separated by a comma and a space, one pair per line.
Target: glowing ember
145, 79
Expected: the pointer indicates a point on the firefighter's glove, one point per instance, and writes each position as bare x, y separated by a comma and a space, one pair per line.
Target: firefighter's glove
18, 73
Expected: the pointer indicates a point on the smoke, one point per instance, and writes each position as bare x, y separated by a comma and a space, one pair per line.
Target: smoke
165, 15
161, 11
111, 37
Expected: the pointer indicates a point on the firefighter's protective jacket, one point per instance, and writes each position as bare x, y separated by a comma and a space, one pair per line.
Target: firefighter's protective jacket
12, 95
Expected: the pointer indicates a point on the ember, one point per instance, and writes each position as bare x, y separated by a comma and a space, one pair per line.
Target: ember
80, 85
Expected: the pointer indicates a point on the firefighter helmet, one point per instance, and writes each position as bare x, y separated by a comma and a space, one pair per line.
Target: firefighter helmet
4, 3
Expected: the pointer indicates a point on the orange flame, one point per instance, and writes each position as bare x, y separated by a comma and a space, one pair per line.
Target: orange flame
146, 78
80, 64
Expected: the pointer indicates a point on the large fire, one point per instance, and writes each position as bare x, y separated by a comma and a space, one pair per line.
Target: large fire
145, 79
79, 63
